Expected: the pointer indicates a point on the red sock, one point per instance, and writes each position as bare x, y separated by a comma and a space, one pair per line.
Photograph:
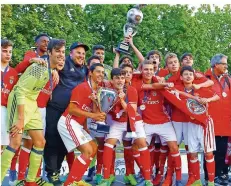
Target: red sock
195, 168
162, 158
210, 165
78, 168
23, 162
70, 159
14, 160
157, 158
136, 156
129, 160
170, 166
177, 163
145, 162
107, 159
190, 172
151, 149
99, 157
112, 170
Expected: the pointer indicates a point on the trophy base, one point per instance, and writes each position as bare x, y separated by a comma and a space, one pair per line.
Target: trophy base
123, 48
101, 128
130, 135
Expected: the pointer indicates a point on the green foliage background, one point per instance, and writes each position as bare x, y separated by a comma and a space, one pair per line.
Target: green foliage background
204, 31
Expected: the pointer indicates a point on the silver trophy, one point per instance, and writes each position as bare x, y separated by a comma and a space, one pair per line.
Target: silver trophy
106, 99
134, 17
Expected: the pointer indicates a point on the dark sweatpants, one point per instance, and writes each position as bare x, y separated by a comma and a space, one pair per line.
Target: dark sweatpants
55, 150
219, 156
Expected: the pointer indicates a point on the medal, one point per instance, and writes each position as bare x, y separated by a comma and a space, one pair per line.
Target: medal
224, 94
142, 107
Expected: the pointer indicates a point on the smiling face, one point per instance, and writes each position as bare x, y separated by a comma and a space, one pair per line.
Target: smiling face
147, 71
6, 54
101, 54
42, 43
78, 55
118, 82
187, 61
57, 58
128, 74
222, 67
97, 74
126, 61
187, 77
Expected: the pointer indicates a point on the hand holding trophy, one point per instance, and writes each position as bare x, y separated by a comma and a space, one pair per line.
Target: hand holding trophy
134, 18
105, 100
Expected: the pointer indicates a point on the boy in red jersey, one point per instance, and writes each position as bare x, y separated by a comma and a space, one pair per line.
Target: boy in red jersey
9, 78
118, 128
72, 124
156, 118
196, 138
41, 43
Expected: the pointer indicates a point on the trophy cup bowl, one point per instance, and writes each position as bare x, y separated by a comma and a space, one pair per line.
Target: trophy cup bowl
106, 99
134, 17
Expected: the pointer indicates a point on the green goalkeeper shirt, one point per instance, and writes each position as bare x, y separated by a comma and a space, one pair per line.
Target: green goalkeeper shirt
31, 83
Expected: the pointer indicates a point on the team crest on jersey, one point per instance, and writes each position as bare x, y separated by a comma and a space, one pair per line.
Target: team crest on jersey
11, 79
195, 107
154, 93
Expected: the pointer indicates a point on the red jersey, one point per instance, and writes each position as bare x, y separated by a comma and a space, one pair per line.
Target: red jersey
9, 79
155, 111
177, 115
221, 110
80, 96
132, 98
21, 67
162, 72
45, 95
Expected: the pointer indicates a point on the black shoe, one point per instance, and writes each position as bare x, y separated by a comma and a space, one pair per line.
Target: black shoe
225, 178
54, 179
219, 182
90, 175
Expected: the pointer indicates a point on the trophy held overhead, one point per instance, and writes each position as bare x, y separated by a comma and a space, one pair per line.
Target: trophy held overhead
134, 18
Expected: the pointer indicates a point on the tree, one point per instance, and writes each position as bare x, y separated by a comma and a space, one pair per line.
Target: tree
179, 28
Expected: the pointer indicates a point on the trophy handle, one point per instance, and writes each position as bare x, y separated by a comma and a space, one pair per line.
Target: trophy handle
132, 29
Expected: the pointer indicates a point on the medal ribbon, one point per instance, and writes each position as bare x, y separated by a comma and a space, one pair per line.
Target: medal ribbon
50, 76
222, 86
3, 75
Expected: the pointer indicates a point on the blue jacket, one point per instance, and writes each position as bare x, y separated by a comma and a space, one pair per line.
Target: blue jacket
71, 75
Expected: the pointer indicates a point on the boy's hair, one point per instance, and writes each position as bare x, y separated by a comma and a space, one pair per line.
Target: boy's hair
185, 55
96, 47
92, 57
124, 57
6, 43
40, 35
126, 65
93, 67
146, 62
117, 72
184, 68
55, 44
169, 55
152, 52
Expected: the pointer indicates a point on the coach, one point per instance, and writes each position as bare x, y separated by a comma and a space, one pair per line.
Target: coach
73, 73
221, 112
